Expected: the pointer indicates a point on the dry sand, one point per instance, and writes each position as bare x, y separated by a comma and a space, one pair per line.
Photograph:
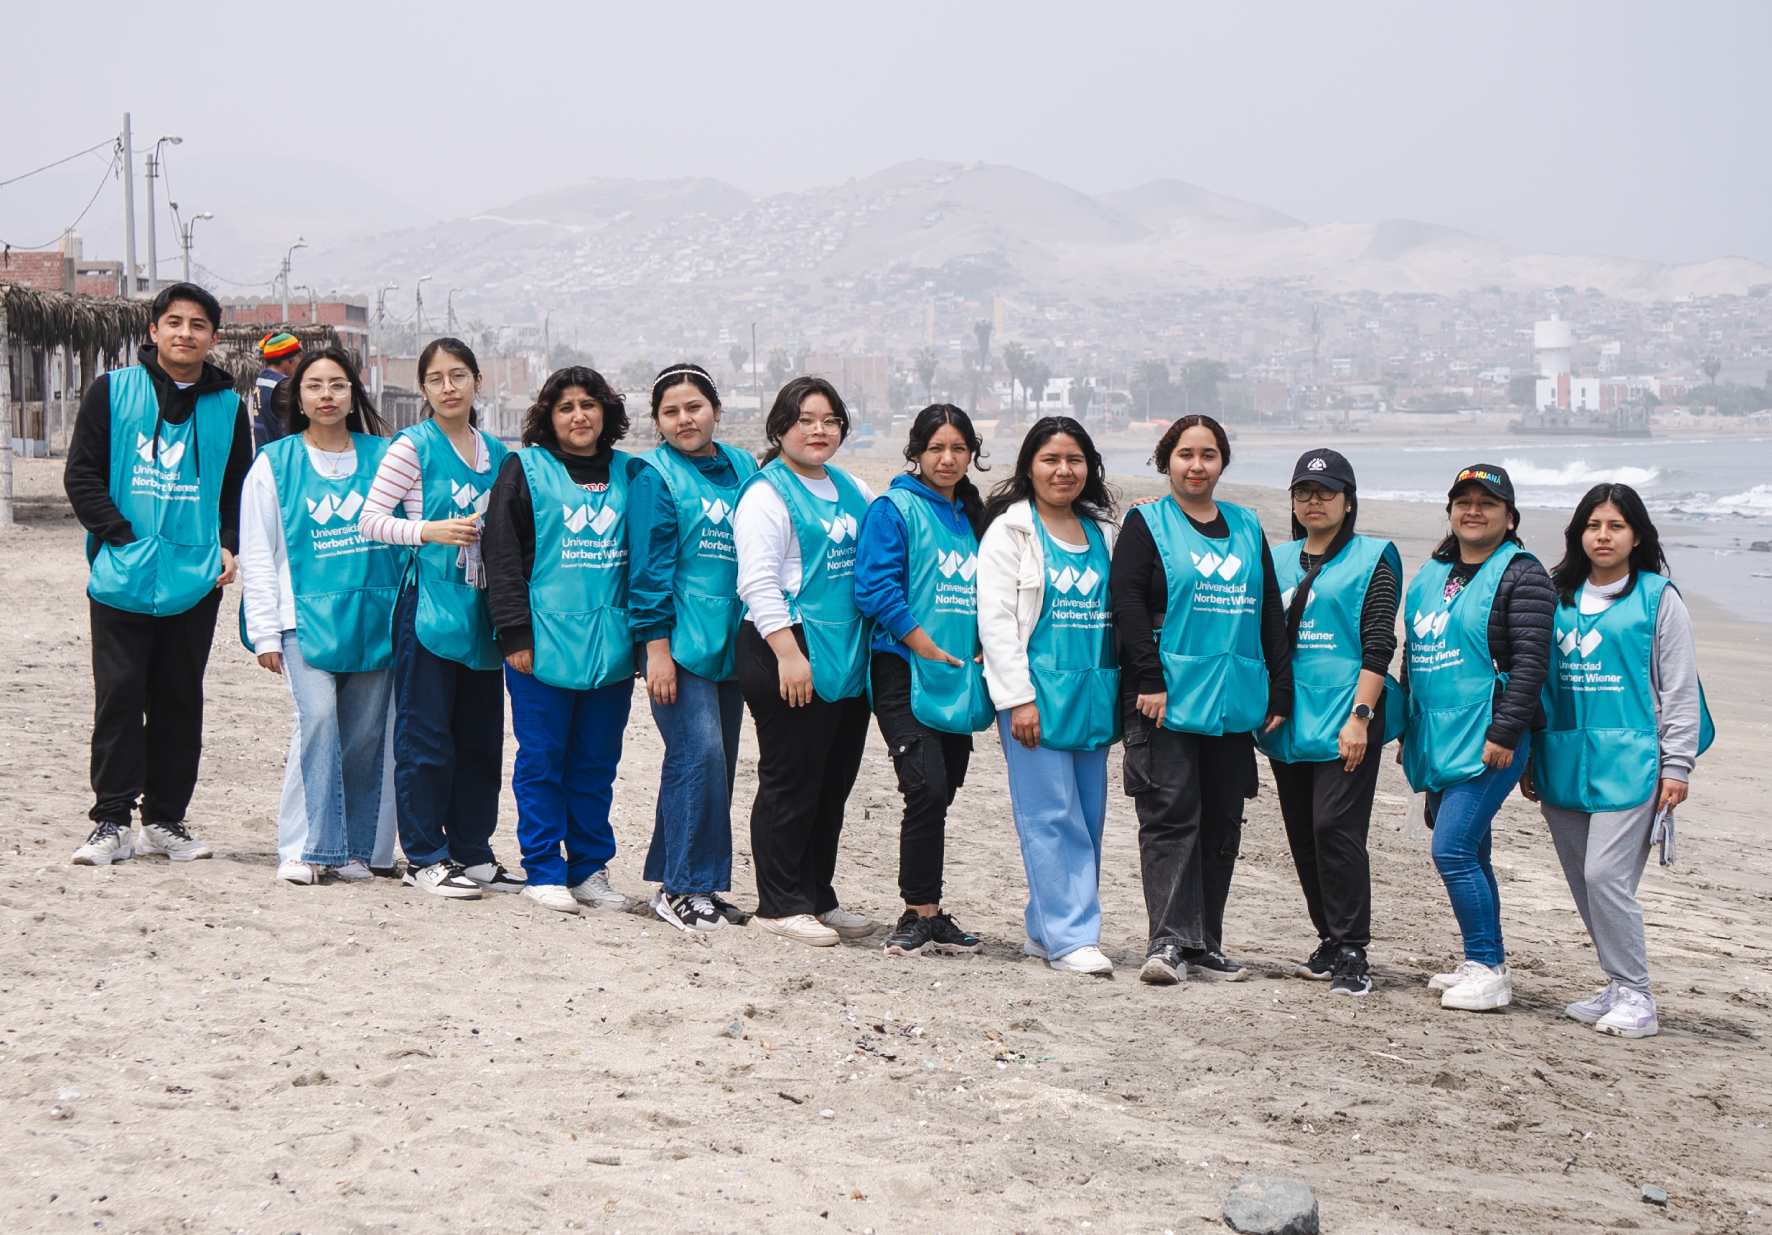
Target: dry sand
229, 1053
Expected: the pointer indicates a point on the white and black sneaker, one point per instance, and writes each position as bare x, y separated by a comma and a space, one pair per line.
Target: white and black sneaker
732, 913
1163, 966
443, 879
494, 878
1353, 975
688, 911
1319, 966
173, 841
109, 842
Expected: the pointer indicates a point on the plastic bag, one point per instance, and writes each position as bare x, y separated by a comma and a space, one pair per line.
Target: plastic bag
1415, 821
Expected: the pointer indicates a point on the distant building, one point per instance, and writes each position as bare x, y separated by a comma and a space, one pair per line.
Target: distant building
1605, 394
1554, 342
349, 315
62, 269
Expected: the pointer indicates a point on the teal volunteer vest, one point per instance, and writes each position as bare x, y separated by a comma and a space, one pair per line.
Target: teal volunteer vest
836, 632
578, 585
454, 618
1211, 638
1452, 676
1071, 650
944, 599
1326, 659
168, 485
1600, 749
705, 638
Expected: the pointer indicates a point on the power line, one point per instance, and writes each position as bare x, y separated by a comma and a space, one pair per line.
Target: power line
89, 150
210, 271
26, 248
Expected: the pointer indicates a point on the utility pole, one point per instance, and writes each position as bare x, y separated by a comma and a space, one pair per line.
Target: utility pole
418, 311
756, 387
547, 351
185, 230
154, 170
283, 274
6, 411
381, 364
449, 311
128, 288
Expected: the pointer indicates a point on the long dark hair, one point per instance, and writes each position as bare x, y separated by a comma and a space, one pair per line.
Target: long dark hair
363, 417
1172, 435
538, 423
1096, 501
1447, 550
1645, 555
676, 375
449, 347
785, 411
1302, 593
927, 424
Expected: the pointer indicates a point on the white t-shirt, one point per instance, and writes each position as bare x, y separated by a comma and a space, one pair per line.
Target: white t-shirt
1599, 599
265, 588
769, 552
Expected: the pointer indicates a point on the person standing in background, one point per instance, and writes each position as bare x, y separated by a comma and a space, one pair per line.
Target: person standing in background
281, 352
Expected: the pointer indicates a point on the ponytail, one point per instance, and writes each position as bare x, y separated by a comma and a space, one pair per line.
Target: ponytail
971, 504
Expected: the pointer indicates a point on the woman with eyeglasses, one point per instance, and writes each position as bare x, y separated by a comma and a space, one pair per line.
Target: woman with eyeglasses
684, 611
317, 602
1339, 591
429, 495
1625, 722
557, 578
1205, 663
802, 660
916, 577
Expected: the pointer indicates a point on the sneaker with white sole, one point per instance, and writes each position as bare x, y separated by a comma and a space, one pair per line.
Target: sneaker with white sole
1086, 959
595, 892
732, 913
445, 879
1446, 981
1482, 989
1632, 1015
354, 871
688, 911
1590, 1010
109, 842
304, 873
848, 925
802, 928
494, 878
551, 896
1163, 966
172, 841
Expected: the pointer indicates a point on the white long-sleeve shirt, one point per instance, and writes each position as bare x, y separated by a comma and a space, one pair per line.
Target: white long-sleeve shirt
265, 588
399, 485
769, 551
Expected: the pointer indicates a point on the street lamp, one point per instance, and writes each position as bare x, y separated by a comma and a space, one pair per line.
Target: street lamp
381, 375
313, 312
449, 310
184, 234
418, 308
283, 274
154, 170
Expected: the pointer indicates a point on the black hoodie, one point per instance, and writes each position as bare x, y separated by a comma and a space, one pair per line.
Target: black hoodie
87, 478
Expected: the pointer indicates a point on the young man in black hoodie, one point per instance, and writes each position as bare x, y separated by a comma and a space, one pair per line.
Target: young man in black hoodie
154, 470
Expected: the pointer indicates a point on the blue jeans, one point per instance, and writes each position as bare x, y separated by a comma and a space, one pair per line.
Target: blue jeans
568, 744
332, 786
692, 829
1059, 798
1462, 817
449, 749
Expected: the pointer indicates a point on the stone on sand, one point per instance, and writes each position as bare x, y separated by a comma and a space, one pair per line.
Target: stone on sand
1271, 1205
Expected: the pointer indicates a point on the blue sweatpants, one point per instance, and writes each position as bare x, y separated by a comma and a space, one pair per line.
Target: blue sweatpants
1059, 798
1463, 816
568, 745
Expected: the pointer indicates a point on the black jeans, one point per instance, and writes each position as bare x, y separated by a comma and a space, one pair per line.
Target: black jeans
931, 767
1188, 790
1328, 812
807, 761
147, 716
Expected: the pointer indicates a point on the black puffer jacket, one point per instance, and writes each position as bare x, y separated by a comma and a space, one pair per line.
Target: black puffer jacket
1520, 644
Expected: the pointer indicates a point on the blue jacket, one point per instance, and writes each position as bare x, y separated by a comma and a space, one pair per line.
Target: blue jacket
267, 426
652, 544
882, 563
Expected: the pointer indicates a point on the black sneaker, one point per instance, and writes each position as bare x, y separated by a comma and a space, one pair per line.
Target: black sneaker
1215, 966
688, 911
1319, 966
912, 936
1353, 976
726, 909
1163, 966
946, 936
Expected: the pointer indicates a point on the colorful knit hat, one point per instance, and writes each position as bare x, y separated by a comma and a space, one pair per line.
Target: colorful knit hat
277, 346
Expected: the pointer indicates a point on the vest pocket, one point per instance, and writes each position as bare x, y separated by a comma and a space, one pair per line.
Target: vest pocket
123, 576
453, 623
1079, 708
1226, 693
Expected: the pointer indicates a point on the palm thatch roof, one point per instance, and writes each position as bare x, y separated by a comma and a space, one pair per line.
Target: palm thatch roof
236, 347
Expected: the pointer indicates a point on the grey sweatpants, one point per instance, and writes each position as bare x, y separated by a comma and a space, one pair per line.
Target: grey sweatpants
1603, 856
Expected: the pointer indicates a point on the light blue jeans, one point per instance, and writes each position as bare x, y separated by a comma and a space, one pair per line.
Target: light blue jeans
333, 788
1463, 816
1059, 798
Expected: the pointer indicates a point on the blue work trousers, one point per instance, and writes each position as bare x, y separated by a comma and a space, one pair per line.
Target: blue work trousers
568, 746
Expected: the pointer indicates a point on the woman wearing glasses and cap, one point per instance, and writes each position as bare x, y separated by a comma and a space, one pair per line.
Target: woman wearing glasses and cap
1339, 591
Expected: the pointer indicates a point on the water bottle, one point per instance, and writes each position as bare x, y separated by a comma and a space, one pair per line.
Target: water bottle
1415, 821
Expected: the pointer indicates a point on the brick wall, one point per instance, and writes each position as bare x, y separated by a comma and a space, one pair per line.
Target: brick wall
43, 272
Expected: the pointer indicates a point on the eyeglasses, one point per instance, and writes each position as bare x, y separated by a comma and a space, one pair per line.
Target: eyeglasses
807, 425
455, 379
1305, 494
337, 386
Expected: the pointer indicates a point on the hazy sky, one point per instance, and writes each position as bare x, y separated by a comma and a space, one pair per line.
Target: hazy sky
1623, 128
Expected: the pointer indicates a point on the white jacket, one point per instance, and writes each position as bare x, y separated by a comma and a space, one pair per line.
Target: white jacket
1011, 593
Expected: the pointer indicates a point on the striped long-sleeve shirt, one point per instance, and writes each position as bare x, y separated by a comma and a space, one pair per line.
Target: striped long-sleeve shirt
399, 485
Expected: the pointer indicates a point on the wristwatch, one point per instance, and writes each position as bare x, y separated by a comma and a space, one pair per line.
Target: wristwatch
1362, 712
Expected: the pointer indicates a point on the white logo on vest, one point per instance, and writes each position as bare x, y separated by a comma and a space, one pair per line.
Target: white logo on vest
170, 454
1570, 642
1210, 564
466, 497
1286, 598
1433, 624
843, 527
950, 562
716, 510
1066, 579
329, 507
597, 519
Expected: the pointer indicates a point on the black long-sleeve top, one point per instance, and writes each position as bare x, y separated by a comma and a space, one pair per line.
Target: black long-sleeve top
1520, 624
1140, 588
1378, 615
508, 543
87, 476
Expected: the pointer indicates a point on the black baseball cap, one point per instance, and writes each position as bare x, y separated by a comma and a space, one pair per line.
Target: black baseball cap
1493, 479
1324, 467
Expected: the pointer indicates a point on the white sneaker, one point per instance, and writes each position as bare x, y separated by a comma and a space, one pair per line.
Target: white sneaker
173, 841
1632, 1015
494, 878
1446, 981
551, 896
109, 842
1030, 948
848, 925
1481, 989
305, 873
801, 928
1590, 1010
354, 871
445, 879
1082, 960
595, 892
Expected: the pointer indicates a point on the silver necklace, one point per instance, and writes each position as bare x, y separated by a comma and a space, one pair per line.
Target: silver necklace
334, 468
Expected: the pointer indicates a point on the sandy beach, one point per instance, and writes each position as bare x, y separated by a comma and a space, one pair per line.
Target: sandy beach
200, 1048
